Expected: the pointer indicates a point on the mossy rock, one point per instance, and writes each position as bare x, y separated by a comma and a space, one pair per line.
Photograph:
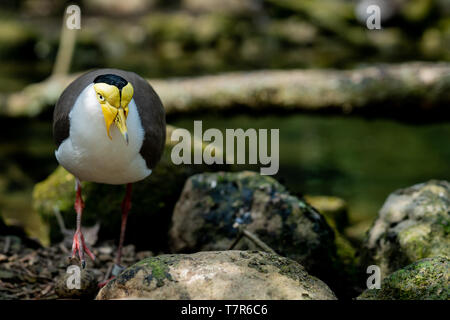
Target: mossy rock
213, 206
153, 200
216, 275
413, 224
426, 279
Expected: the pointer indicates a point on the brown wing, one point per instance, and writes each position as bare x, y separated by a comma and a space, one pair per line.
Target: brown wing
153, 117
150, 109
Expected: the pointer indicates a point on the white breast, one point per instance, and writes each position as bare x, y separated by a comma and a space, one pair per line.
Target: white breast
88, 152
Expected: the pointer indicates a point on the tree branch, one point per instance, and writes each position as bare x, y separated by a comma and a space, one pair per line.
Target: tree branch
383, 90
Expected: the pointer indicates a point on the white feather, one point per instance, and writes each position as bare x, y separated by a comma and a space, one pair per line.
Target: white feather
90, 155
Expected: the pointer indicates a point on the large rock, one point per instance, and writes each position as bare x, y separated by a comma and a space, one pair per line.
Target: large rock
212, 205
153, 200
216, 275
425, 279
414, 223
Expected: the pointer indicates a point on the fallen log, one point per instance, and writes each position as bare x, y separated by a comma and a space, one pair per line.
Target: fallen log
401, 90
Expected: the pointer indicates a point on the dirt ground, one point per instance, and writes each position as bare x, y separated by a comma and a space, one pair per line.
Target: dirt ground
30, 271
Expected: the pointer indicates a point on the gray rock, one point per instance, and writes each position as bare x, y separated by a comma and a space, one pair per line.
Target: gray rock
216, 275
88, 285
212, 205
425, 279
413, 224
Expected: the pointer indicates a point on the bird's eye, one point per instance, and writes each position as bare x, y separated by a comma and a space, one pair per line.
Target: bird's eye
100, 97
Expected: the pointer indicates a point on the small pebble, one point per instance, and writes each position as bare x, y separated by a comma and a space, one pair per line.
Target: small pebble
66, 285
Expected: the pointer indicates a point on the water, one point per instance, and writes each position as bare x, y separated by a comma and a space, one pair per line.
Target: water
360, 160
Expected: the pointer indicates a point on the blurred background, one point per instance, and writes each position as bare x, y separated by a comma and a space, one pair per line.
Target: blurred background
358, 159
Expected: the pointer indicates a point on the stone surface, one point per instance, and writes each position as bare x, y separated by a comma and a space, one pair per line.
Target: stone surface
216, 275
212, 205
414, 223
88, 285
153, 200
425, 279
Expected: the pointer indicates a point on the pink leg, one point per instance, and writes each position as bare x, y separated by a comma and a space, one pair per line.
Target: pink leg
126, 206
79, 244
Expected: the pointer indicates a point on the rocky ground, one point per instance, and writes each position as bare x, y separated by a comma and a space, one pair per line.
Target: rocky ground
229, 219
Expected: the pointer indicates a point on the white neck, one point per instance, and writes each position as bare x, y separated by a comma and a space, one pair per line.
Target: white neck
91, 155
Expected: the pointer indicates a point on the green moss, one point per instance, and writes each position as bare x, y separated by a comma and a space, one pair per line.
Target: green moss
156, 268
58, 190
426, 279
412, 225
416, 241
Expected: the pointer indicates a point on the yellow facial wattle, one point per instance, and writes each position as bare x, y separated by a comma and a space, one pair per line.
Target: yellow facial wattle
127, 95
114, 104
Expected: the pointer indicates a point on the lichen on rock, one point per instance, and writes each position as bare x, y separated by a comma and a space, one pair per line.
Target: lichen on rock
213, 205
426, 279
216, 275
413, 224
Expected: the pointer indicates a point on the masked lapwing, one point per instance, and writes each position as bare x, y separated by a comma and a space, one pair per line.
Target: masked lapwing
109, 127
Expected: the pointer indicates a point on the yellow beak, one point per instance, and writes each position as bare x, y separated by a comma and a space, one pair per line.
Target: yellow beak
121, 123
116, 116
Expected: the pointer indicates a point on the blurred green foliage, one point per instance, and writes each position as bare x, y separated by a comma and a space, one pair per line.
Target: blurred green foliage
191, 37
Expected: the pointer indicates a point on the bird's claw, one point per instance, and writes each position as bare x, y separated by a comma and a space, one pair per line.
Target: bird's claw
80, 246
104, 283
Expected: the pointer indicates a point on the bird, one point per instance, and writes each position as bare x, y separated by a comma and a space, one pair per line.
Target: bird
109, 127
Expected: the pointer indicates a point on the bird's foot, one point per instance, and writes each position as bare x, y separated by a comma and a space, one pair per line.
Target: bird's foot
79, 245
114, 271
104, 283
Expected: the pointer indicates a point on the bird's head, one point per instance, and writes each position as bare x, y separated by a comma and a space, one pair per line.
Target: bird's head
114, 93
